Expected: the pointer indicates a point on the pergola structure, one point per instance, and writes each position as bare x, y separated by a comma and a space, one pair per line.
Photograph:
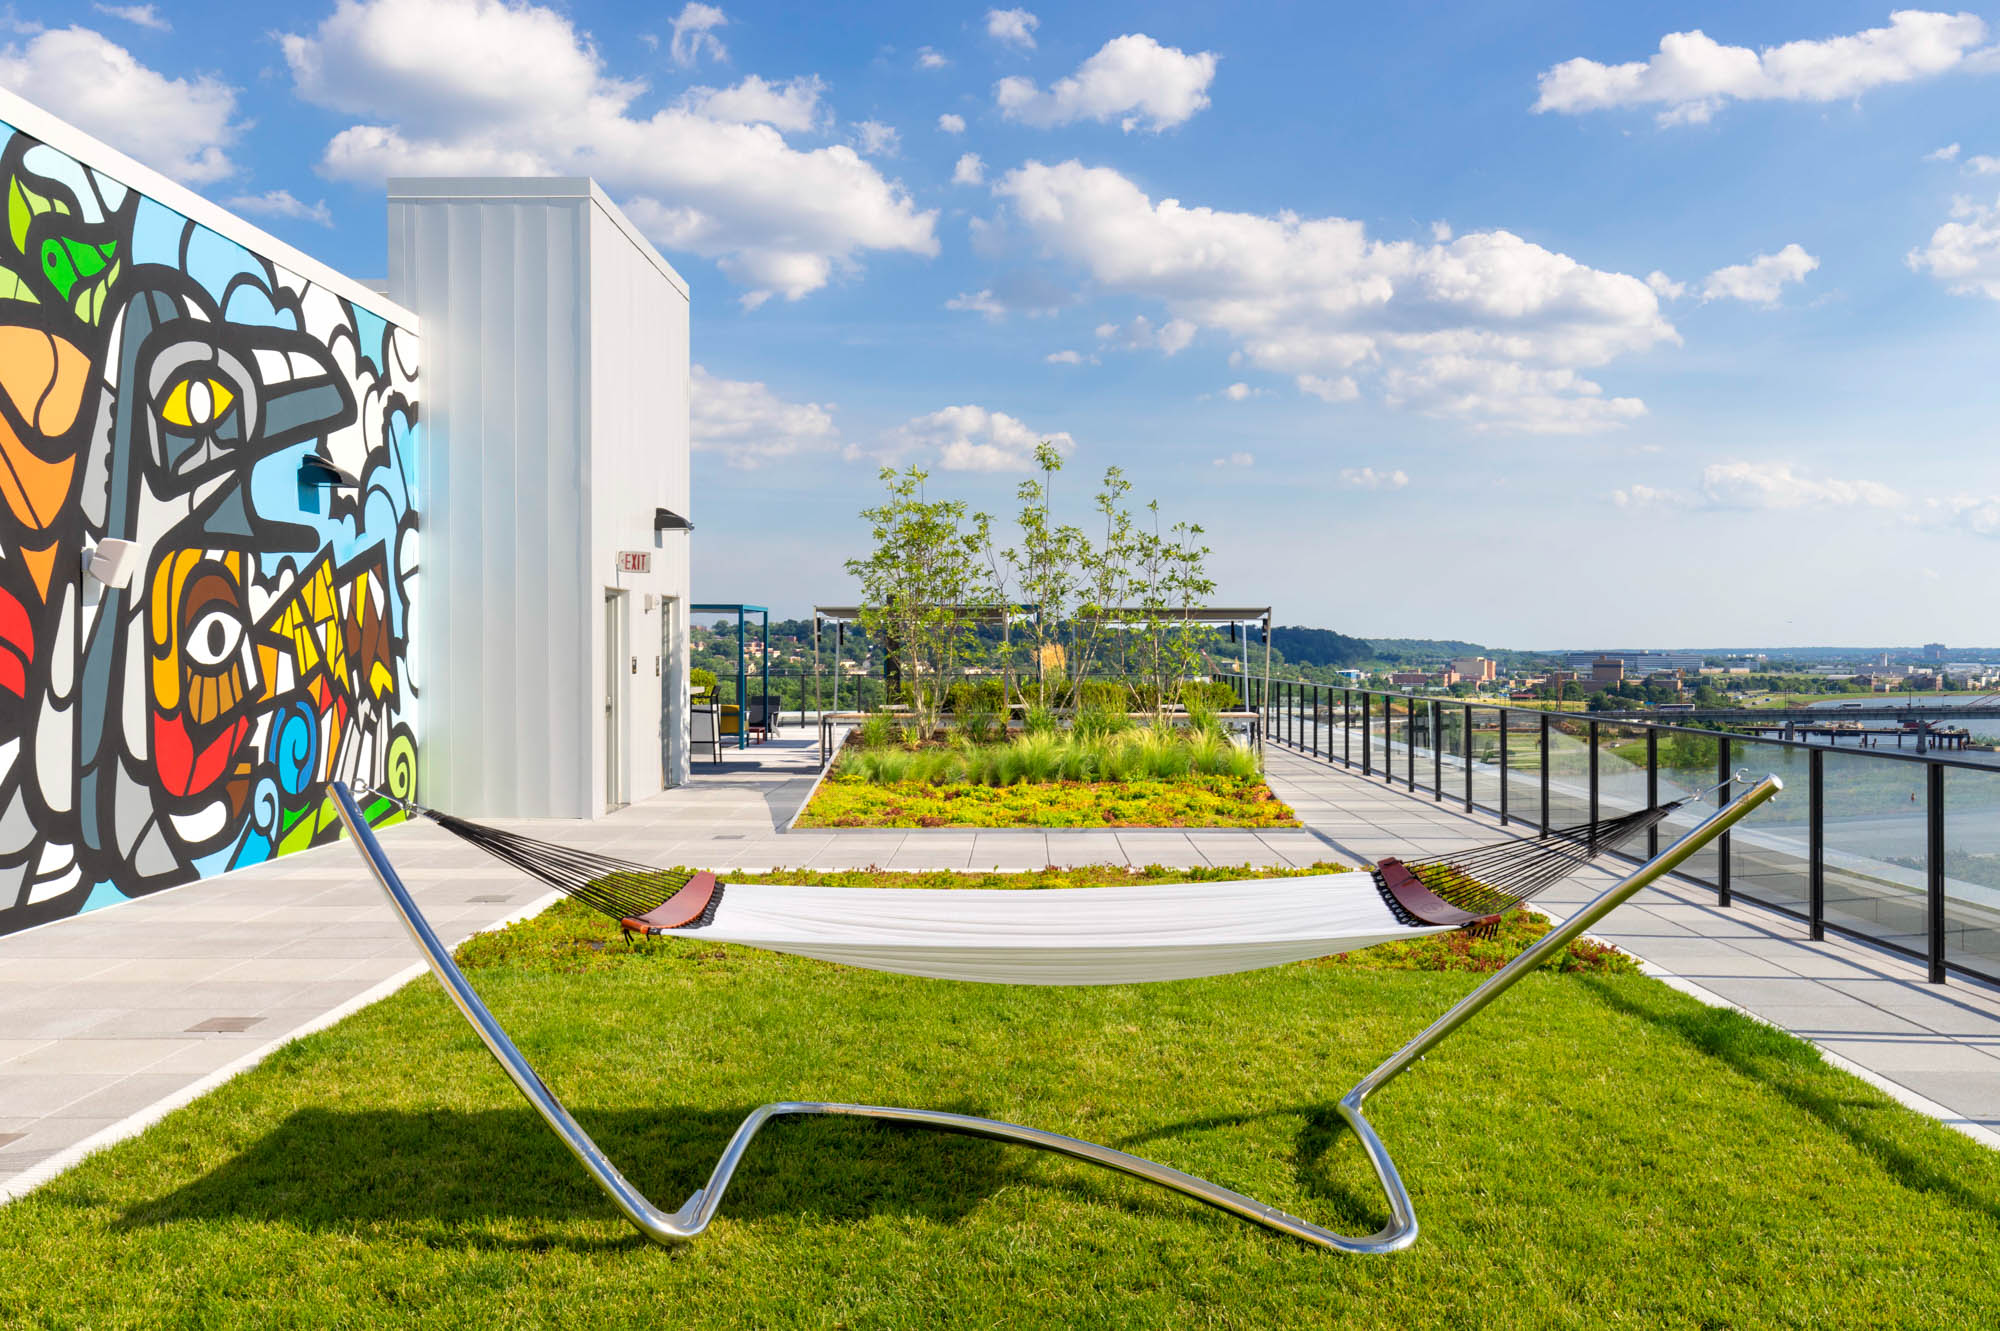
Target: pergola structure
742, 613
1239, 620
1236, 618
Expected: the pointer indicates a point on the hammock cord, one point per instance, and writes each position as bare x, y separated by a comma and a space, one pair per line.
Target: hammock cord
618, 888
1493, 879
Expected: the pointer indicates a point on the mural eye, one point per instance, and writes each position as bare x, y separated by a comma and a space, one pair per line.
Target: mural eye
197, 402
213, 638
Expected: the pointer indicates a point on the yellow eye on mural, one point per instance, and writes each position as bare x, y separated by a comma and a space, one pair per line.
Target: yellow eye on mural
197, 402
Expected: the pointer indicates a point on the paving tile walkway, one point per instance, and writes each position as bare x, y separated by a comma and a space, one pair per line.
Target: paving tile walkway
110, 1019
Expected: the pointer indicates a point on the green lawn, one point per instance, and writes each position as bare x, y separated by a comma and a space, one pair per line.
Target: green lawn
1596, 1151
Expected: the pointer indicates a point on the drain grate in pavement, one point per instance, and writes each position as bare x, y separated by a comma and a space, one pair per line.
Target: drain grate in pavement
9, 1138
486, 901
224, 1025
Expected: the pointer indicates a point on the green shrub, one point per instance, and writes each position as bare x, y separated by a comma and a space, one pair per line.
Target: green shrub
1040, 720
877, 730
701, 682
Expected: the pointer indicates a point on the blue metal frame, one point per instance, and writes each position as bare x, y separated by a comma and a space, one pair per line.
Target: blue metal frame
741, 611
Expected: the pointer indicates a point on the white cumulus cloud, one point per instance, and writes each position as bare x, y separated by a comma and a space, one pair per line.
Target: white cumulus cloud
1945, 154
792, 105
750, 425
694, 34
970, 170
1983, 165
1012, 27
931, 59
487, 87
872, 138
1762, 280
1237, 459
1367, 478
951, 124
1964, 253
1132, 79
1757, 487
281, 203
1693, 75
1170, 338
181, 127
971, 438
1486, 327
145, 16
1069, 357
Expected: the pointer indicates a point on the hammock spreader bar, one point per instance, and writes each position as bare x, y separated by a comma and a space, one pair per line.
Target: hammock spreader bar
694, 1216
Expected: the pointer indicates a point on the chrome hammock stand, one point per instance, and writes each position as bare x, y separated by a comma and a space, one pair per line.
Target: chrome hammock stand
694, 1216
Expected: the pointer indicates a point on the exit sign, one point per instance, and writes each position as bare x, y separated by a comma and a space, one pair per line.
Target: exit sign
635, 561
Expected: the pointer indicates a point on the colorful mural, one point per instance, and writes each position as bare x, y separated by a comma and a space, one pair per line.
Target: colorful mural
161, 384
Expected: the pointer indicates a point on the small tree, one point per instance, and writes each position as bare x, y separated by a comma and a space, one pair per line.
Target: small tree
919, 583
1171, 577
1105, 578
1051, 562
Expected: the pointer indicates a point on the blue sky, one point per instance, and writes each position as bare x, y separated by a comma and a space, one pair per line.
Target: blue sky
1535, 325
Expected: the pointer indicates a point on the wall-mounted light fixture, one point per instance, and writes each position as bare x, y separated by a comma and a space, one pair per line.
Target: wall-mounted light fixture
112, 562
666, 520
318, 470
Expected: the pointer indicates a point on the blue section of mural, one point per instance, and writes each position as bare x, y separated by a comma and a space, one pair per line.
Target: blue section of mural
161, 384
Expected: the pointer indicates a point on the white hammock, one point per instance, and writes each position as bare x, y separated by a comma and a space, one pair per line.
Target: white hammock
1089, 935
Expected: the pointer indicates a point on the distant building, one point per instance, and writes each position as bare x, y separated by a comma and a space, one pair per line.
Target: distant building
1477, 669
1934, 653
1407, 678
1607, 670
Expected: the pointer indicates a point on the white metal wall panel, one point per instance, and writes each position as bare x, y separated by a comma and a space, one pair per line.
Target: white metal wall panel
558, 423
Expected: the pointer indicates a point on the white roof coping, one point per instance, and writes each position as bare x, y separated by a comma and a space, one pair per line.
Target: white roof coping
474, 188
101, 157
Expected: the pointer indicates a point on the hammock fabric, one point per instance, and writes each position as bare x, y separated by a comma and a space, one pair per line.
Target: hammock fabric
1099, 935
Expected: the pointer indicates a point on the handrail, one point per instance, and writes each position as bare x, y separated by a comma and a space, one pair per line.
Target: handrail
695, 1214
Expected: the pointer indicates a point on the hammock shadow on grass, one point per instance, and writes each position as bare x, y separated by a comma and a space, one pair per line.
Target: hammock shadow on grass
1353, 1199
1765, 1055
447, 1174
472, 1178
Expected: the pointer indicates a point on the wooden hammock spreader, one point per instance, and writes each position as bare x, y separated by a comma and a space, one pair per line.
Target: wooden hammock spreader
694, 1216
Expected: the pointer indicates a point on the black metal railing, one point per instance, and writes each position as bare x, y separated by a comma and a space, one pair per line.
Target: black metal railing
1898, 849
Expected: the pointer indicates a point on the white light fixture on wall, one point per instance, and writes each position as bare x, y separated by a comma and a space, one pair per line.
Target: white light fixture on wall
112, 562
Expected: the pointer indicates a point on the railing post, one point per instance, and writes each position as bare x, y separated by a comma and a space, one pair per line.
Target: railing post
1545, 773
1437, 751
1652, 789
1591, 735
1816, 844
1410, 744
1465, 744
1934, 865
1367, 737
1502, 711
1722, 774
1346, 727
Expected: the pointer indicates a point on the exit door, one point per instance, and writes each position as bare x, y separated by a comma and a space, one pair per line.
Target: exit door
614, 691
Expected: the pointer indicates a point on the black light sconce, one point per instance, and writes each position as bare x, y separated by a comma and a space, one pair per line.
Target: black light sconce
322, 472
666, 520
319, 472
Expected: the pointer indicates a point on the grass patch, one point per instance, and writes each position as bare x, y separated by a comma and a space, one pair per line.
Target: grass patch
1191, 801
1595, 1151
